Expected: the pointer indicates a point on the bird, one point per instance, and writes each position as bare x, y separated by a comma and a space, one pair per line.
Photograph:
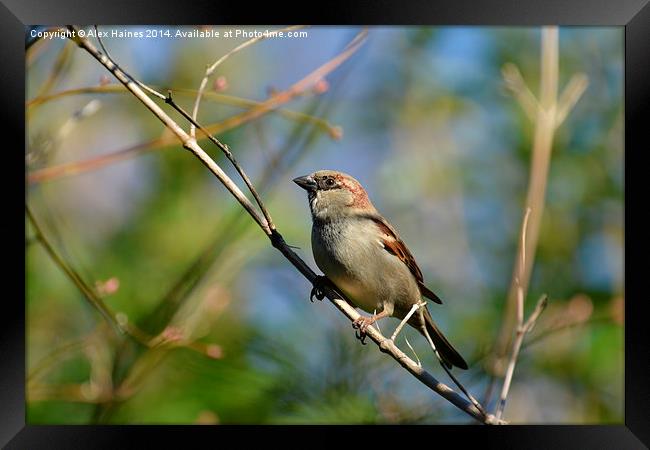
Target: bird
361, 253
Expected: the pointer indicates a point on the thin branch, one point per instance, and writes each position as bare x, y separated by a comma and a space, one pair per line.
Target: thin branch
94, 163
187, 142
471, 398
385, 345
269, 105
61, 64
522, 328
520, 314
76, 167
56, 356
522, 268
414, 308
521, 332
87, 292
121, 327
226, 151
210, 70
540, 336
414, 353
570, 96
216, 97
138, 82
516, 84
224, 148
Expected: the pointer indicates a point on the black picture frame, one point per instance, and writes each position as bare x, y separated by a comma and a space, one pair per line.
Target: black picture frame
634, 15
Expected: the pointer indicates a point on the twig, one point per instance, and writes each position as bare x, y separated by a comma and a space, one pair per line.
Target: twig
54, 357
515, 82
224, 148
259, 109
230, 100
119, 326
414, 353
570, 96
139, 83
210, 70
226, 151
97, 162
385, 345
414, 308
61, 63
521, 332
89, 295
522, 328
521, 267
567, 326
187, 142
471, 398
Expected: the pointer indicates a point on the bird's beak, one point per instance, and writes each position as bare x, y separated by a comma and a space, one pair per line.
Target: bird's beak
307, 182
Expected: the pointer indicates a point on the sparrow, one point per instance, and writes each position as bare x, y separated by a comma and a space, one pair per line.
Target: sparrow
361, 253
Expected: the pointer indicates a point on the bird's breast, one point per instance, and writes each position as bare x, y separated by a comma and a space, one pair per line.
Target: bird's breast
351, 255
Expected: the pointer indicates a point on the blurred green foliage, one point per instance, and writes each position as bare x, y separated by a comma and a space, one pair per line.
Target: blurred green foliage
444, 152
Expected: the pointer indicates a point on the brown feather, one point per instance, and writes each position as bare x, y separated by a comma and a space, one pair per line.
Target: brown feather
394, 245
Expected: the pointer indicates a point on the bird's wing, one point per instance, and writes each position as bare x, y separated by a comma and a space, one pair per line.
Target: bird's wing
394, 245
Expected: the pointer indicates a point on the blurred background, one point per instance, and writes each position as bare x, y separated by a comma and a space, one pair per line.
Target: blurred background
421, 116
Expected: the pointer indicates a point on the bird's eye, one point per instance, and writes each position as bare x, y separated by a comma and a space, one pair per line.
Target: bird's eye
329, 182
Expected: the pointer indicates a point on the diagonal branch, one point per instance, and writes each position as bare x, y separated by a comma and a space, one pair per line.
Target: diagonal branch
119, 326
385, 344
187, 142
224, 148
255, 111
226, 151
87, 292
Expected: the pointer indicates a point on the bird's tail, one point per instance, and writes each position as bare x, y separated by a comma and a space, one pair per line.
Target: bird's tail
449, 355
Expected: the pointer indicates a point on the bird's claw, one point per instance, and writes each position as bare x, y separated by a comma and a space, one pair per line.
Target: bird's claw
361, 325
317, 291
361, 336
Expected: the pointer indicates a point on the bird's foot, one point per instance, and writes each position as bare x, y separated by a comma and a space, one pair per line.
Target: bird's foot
361, 325
317, 290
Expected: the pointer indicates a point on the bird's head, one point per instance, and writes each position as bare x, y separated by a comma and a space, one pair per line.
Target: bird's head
334, 195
